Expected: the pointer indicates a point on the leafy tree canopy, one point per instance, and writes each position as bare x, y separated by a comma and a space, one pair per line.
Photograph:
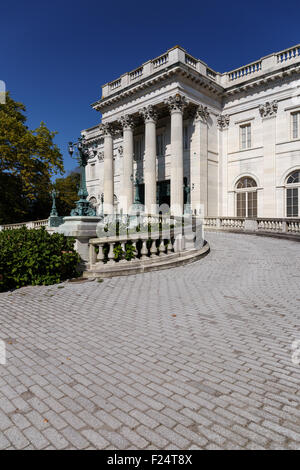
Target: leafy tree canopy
68, 192
28, 160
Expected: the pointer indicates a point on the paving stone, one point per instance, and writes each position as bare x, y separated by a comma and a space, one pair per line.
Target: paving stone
98, 441
56, 438
17, 438
98, 366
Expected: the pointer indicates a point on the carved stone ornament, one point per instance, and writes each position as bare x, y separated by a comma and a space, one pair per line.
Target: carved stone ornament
268, 109
223, 121
202, 113
126, 122
120, 150
101, 156
149, 113
176, 102
106, 128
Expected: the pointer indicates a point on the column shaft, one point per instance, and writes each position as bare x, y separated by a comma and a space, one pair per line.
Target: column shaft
150, 116
176, 105
108, 175
127, 124
150, 166
176, 162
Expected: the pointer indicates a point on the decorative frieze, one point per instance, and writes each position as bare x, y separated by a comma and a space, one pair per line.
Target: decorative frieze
268, 109
176, 103
148, 113
202, 113
223, 121
126, 122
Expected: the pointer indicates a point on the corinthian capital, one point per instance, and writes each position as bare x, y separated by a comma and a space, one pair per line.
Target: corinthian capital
268, 109
126, 122
202, 113
176, 103
149, 113
223, 121
106, 128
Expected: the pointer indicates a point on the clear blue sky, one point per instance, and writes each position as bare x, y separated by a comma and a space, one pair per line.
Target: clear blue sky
55, 55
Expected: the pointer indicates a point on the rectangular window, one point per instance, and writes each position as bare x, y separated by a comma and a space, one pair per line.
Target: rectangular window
186, 140
160, 144
245, 136
292, 202
295, 125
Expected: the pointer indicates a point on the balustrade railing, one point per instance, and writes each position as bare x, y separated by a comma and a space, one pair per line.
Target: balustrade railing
136, 73
32, 224
115, 84
142, 247
190, 61
159, 61
245, 71
275, 225
288, 54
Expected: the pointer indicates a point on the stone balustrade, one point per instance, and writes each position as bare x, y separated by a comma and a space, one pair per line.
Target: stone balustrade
32, 224
276, 225
143, 247
176, 55
288, 54
244, 71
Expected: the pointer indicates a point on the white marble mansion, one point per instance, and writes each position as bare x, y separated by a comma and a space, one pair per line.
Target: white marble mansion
176, 132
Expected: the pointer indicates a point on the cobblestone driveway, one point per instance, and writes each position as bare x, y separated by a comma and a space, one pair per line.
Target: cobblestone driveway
194, 357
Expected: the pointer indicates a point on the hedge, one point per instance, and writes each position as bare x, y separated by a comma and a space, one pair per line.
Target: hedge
34, 257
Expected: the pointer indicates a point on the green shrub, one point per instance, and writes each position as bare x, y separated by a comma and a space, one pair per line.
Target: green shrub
34, 257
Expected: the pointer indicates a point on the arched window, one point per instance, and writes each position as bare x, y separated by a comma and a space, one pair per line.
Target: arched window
246, 197
292, 194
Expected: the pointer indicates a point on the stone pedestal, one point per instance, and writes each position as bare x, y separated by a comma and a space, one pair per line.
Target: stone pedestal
82, 229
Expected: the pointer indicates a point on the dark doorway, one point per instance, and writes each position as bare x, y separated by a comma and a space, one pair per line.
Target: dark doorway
163, 192
140, 194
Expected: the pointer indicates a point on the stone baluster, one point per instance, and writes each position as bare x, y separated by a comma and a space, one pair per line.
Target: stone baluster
162, 248
100, 256
123, 245
93, 254
111, 254
144, 250
153, 249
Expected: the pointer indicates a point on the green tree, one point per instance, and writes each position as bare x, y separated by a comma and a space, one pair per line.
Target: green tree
68, 192
28, 161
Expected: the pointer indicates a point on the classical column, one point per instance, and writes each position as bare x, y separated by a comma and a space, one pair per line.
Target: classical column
127, 124
176, 105
150, 116
268, 112
108, 203
199, 161
223, 123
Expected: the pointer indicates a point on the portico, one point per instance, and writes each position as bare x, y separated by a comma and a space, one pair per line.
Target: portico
147, 119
